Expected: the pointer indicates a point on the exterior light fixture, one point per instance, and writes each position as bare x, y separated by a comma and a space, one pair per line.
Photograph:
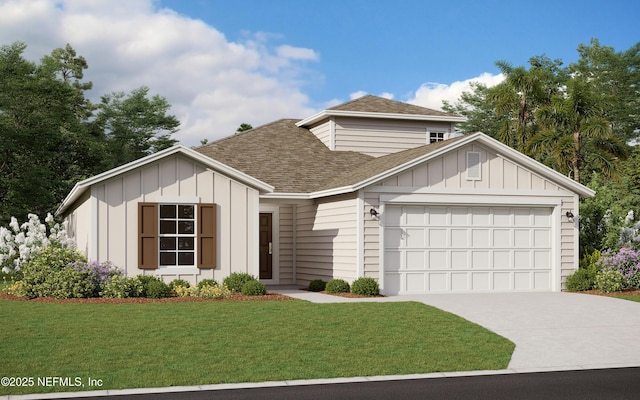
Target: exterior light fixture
569, 215
373, 212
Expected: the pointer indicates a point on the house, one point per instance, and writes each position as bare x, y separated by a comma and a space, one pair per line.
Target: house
372, 187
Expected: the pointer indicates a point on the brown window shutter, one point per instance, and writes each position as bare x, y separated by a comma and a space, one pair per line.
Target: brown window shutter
147, 235
207, 238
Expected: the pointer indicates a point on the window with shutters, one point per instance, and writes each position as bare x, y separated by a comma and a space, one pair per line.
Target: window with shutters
177, 235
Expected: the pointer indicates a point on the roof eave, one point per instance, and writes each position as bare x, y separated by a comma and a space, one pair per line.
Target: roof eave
367, 114
82, 186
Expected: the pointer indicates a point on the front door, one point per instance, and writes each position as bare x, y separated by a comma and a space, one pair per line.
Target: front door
266, 246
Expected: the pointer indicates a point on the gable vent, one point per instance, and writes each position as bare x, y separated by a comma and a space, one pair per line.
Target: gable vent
473, 165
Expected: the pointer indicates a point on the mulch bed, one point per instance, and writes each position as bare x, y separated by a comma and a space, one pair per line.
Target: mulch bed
143, 300
614, 294
350, 295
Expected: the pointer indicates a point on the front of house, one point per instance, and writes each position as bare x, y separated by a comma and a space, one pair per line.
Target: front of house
372, 187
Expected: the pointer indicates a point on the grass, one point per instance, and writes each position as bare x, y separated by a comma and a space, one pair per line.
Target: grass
171, 344
634, 297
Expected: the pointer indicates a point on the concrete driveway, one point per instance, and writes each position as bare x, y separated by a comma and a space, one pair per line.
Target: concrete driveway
552, 331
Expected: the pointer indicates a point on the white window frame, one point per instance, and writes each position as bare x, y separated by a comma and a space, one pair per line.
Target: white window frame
440, 136
179, 269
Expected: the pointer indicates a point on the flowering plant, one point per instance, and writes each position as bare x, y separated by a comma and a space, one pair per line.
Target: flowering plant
625, 261
19, 243
98, 273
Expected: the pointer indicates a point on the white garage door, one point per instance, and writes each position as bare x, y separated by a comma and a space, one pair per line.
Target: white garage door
444, 249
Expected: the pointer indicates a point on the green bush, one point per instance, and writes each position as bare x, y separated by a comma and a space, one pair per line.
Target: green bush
145, 280
317, 285
207, 282
609, 281
120, 286
236, 281
179, 282
38, 269
67, 283
582, 279
337, 286
214, 292
254, 288
365, 287
157, 289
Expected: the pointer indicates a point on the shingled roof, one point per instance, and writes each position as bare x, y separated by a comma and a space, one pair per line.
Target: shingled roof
287, 157
377, 104
293, 160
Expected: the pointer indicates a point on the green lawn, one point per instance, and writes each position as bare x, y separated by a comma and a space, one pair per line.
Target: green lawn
157, 345
631, 297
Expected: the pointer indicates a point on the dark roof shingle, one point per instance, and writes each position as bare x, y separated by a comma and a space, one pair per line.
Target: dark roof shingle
377, 104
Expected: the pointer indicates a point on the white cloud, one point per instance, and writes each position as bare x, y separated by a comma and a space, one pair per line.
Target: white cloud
362, 93
212, 83
431, 94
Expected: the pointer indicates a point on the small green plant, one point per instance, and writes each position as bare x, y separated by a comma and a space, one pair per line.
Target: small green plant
365, 286
582, 279
145, 280
52, 259
178, 283
609, 281
120, 287
317, 285
337, 286
214, 292
184, 291
207, 282
236, 281
254, 288
157, 289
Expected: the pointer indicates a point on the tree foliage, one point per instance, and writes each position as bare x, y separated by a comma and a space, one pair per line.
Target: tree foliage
52, 136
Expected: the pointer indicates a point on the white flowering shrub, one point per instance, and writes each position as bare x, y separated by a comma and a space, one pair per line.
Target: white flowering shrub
19, 243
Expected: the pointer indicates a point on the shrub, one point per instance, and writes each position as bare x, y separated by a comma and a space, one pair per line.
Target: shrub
157, 289
98, 273
317, 285
145, 280
120, 286
582, 279
214, 292
207, 282
185, 291
254, 288
627, 262
365, 287
236, 281
337, 286
50, 260
178, 282
17, 288
609, 281
67, 283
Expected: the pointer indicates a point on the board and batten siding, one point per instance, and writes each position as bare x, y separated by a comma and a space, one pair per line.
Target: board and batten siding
446, 176
379, 137
175, 177
326, 239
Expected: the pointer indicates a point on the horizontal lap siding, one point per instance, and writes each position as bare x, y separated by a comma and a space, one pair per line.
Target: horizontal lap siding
378, 137
286, 245
326, 239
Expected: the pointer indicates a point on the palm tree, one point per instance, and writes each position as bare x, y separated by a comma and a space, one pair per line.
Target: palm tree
573, 134
517, 98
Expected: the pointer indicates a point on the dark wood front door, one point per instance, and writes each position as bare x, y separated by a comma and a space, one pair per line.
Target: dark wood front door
266, 246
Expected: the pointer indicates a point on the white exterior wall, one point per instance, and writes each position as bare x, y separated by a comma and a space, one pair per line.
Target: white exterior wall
323, 132
326, 239
79, 224
378, 137
443, 180
114, 209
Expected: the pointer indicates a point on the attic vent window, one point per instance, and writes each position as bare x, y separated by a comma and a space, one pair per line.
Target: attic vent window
436, 136
474, 172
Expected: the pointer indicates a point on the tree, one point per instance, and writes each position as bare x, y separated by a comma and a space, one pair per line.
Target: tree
519, 95
135, 125
479, 111
243, 127
573, 133
616, 77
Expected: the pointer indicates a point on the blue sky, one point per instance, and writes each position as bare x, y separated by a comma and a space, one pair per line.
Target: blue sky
223, 63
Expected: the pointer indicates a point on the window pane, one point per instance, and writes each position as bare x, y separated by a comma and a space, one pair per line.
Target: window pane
185, 258
167, 227
167, 243
186, 211
167, 211
185, 243
186, 227
167, 258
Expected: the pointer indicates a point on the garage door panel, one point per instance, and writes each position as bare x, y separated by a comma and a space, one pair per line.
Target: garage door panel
442, 248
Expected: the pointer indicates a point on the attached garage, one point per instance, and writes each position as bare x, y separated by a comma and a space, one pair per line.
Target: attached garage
462, 248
